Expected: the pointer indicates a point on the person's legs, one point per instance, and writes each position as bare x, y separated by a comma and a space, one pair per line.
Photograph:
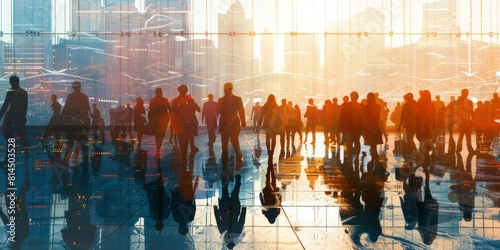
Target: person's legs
313, 131
468, 138
410, 133
183, 144
225, 153
460, 138
236, 145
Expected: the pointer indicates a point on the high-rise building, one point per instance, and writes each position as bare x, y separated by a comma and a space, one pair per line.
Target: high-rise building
267, 52
32, 41
235, 44
87, 16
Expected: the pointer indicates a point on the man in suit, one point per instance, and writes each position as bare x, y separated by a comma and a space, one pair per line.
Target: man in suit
231, 120
77, 118
15, 108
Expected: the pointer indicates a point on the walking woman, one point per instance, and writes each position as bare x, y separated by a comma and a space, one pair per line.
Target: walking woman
271, 122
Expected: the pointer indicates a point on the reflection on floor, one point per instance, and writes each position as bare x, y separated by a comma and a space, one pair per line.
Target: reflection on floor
115, 196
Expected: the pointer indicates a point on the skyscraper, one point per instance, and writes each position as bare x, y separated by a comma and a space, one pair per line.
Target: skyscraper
235, 43
32, 44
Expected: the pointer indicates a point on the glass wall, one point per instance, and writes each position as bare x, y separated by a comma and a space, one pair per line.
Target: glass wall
295, 49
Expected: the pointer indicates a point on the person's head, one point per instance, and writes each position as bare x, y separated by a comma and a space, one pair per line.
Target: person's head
345, 99
495, 95
183, 89
465, 93
53, 98
139, 100
370, 98
159, 92
128, 105
425, 96
452, 98
210, 97
257, 103
94, 105
354, 96
290, 104
335, 100
296, 107
311, 101
271, 99
438, 98
283, 102
408, 97
14, 81
228, 89
77, 86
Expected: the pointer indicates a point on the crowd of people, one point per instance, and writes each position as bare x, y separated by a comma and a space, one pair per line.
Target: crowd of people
343, 124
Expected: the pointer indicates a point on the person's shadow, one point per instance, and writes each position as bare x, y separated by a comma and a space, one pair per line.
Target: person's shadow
229, 214
158, 199
79, 233
270, 197
183, 198
428, 214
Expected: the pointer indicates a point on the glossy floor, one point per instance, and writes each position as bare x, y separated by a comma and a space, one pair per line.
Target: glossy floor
114, 196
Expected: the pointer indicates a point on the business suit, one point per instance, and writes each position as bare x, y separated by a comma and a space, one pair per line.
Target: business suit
15, 108
231, 120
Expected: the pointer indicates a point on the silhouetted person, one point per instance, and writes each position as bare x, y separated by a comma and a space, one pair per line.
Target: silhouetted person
15, 107
231, 120
296, 126
312, 117
372, 134
53, 126
465, 124
229, 215
335, 138
328, 123
159, 117
139, 119
439, 119
128, 119
285, 134
396, 114
209, 117
351, 126
76, 113
384, 115
408, 120
272, 124
255, 117
96, 120
452, 120
186, 123
425, 127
